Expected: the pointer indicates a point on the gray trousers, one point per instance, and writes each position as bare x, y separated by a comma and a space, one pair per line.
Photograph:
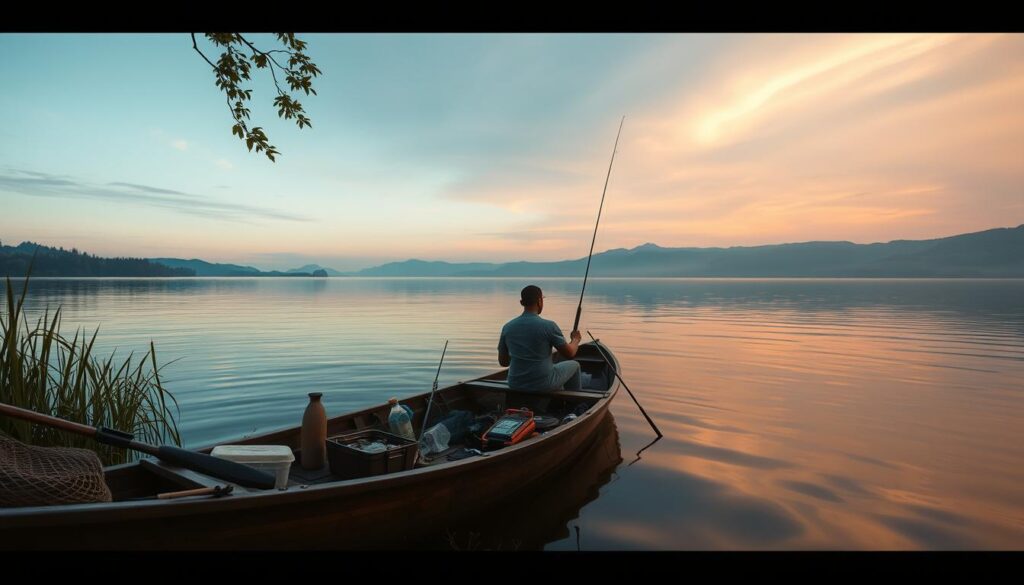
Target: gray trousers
566, 376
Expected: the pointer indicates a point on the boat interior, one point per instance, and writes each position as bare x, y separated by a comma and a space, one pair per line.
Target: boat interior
485, 398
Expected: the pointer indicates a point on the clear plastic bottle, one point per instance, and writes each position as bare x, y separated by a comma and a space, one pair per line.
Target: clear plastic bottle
400, 420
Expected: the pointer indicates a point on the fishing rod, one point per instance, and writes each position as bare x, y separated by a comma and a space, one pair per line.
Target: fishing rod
579, 308
432, 390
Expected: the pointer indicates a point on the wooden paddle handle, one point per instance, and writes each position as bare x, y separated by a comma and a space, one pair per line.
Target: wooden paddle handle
185, 493
215, 490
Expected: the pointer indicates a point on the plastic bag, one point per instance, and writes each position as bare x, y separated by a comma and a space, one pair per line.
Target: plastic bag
435, 439
457, 422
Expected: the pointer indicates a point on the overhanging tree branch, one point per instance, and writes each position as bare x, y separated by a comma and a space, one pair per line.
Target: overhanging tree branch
232, 68
196, 47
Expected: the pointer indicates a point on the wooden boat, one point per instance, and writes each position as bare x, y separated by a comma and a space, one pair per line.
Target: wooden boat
319, 510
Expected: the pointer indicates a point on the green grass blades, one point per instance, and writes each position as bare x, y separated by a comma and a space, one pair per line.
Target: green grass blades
44, 371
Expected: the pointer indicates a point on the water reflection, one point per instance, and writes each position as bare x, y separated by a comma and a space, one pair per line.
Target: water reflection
644, 448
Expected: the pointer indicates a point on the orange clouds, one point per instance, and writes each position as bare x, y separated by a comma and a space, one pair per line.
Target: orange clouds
803, 137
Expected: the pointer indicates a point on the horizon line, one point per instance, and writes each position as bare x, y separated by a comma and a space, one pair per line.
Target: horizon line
499, 263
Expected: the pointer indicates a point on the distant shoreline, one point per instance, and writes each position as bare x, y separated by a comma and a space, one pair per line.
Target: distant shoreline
543, 278
991, 254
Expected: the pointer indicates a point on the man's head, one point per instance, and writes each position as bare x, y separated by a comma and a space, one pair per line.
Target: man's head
531, 297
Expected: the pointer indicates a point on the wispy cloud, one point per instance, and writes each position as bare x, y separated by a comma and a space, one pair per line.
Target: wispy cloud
36, 184
224, 164
149, 189
180, 144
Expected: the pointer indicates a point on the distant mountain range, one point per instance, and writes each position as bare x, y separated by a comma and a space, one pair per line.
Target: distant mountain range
996, 253
203, 268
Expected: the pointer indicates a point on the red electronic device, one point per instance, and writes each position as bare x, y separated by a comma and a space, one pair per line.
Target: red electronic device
513, 427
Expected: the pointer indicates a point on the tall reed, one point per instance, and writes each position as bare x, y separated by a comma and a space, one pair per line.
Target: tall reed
44, 371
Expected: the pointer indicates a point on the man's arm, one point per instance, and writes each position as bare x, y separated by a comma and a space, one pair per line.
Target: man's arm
568, 350
503, 357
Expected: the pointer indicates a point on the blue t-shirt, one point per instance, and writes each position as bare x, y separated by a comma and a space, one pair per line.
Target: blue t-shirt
528, 340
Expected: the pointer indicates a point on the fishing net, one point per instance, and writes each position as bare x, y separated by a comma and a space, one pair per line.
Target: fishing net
46, 476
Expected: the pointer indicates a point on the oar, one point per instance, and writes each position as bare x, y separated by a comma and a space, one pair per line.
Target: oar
213, 466
609, 362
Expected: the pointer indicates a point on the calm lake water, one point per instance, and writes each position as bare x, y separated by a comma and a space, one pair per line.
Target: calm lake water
798, 414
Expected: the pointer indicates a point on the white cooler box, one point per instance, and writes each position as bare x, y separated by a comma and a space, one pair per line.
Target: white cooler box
273, 459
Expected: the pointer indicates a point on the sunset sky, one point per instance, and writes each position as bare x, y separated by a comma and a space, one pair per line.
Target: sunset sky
479, 147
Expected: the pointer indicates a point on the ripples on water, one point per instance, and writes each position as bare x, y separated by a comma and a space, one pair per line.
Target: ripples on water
798, 414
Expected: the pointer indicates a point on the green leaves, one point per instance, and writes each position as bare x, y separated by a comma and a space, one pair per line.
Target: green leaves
233, 68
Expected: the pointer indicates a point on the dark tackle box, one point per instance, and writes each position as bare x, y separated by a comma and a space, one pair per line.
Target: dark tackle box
348, 462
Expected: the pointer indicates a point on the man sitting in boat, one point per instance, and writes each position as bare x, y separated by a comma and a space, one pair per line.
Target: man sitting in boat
525, 348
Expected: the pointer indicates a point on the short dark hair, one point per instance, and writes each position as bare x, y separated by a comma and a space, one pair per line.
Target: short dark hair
530, 295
